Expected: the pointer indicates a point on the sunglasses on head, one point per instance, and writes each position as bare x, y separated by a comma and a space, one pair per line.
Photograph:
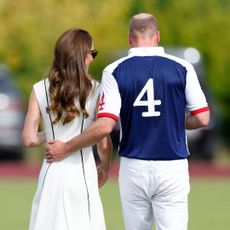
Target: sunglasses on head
93, 53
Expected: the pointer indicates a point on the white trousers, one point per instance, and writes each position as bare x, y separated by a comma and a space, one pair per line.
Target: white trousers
154, 191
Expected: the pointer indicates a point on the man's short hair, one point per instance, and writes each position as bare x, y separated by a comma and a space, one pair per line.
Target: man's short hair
142, 25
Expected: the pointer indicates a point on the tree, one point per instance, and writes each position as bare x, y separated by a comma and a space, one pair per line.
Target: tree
31, 28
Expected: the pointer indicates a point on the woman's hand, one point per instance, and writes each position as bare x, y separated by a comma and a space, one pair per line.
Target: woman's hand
55, 151
102, 172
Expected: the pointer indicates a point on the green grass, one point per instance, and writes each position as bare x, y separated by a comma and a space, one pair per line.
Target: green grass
15, 203
209, 204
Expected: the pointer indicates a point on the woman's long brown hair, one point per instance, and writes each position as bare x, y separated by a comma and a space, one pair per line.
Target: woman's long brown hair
68, 75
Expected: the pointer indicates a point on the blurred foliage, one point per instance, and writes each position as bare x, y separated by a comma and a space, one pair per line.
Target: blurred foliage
29, 30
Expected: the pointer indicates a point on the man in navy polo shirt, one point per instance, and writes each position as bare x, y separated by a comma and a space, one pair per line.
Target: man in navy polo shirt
148, 92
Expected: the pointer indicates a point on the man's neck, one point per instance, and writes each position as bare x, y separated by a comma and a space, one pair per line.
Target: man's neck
145, 43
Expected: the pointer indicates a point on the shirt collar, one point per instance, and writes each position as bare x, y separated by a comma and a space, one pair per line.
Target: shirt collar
146, 51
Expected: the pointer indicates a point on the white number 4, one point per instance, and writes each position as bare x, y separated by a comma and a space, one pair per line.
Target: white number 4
150, 102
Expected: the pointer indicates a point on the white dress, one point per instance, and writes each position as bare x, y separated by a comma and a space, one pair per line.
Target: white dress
67, 197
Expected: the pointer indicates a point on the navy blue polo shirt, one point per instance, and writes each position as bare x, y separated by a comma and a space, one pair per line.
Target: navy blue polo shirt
150, 91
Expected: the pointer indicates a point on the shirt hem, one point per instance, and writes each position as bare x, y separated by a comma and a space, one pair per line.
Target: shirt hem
108, 115
201, 110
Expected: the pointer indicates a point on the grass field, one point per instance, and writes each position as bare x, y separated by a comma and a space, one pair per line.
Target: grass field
209, 204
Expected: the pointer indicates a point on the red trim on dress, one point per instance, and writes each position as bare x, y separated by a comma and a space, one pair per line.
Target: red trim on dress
108, 115
200, 110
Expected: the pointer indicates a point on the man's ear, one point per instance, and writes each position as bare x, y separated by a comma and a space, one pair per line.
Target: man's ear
158, 36
129, 39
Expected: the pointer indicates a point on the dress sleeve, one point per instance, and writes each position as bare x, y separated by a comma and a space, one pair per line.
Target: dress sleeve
40, 95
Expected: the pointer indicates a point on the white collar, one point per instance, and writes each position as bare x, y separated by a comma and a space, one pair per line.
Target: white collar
146, 51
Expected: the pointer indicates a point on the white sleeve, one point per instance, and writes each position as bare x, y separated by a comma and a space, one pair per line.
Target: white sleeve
110, 100
40, 95
195, 98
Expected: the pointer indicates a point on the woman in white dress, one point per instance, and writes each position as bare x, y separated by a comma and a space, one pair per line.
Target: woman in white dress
67, 197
